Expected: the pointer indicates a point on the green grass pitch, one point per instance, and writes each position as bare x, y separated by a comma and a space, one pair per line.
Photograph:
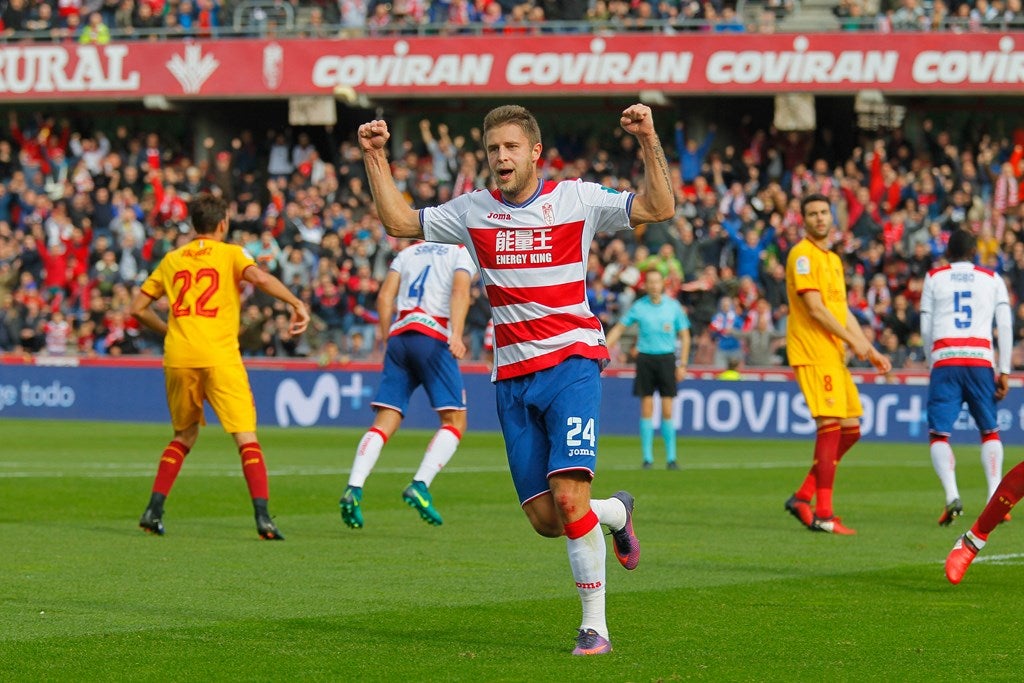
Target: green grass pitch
729, 587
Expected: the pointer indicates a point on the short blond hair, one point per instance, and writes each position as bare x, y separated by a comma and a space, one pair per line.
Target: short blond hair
514, 114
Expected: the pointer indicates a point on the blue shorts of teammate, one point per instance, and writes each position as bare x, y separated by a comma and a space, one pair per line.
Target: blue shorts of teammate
413, 359
951, 386
549, 420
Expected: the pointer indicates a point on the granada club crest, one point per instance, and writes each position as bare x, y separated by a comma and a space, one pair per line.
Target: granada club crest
549, 214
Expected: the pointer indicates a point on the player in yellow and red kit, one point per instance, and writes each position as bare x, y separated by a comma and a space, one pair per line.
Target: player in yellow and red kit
819, 328
202, 361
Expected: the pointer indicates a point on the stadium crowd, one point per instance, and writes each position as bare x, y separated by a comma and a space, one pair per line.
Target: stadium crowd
957, 16
85, 216
100, 21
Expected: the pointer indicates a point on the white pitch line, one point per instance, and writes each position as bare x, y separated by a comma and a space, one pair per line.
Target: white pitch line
1007, 559
209, 471
42, 470
1010, 558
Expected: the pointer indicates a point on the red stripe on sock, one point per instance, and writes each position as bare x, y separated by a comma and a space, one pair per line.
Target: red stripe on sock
167, 471
990, 436
582, 526
255, 470
453, 430
383, 436
180, 447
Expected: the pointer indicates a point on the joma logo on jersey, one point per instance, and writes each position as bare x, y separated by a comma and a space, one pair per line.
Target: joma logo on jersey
522, 247
499, 216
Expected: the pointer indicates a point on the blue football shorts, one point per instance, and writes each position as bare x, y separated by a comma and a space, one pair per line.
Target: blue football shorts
549, 420
412, 360
950, 386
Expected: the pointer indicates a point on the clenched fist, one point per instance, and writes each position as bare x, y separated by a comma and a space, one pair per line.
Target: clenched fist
373, 135
637, 120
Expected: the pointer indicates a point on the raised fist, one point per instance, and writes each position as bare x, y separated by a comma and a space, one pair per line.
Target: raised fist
373, 135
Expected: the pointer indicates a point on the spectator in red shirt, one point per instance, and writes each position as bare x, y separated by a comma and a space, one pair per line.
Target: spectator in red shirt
33, 154
58, 270
168, 208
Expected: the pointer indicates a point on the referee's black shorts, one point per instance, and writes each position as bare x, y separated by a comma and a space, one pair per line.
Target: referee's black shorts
655, 372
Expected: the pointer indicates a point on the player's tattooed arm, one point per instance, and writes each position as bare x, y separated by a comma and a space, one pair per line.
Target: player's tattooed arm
399, 219
660, 167
655, 199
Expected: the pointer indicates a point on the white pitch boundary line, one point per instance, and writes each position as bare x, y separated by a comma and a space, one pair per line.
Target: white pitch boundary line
1007, 560
42, 470
1011, 558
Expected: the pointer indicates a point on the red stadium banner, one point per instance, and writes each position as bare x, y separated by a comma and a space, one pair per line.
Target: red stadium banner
517, 66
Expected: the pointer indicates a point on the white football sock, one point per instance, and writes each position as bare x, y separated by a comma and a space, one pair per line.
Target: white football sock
944, 463
610, 511
586, 558
992, 462
439, 452
367, 452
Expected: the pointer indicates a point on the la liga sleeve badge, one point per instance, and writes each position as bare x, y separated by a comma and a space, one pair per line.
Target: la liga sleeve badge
803, 265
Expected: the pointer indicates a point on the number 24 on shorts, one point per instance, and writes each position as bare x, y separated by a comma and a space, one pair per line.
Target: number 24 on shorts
579, 432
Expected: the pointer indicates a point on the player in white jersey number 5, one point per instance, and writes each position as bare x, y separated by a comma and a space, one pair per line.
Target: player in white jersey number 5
429, 285
959, 303
531, 240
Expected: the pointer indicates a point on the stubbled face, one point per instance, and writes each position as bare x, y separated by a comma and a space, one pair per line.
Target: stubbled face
513, 162
818, 220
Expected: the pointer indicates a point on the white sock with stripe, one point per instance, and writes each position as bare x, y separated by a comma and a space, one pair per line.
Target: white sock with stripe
367, 452
439, 452
587, 560
992, 462
944, 463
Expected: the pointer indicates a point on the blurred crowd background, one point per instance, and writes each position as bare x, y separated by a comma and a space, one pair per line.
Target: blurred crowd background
99, 21
87, 210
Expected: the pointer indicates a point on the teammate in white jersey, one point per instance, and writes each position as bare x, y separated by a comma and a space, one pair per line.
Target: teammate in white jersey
963, 348
531, 240
429, 285
958, 305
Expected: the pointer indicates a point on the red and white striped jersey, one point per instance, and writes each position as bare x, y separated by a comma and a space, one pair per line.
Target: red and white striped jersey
959, 303
533, 264
426, 272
